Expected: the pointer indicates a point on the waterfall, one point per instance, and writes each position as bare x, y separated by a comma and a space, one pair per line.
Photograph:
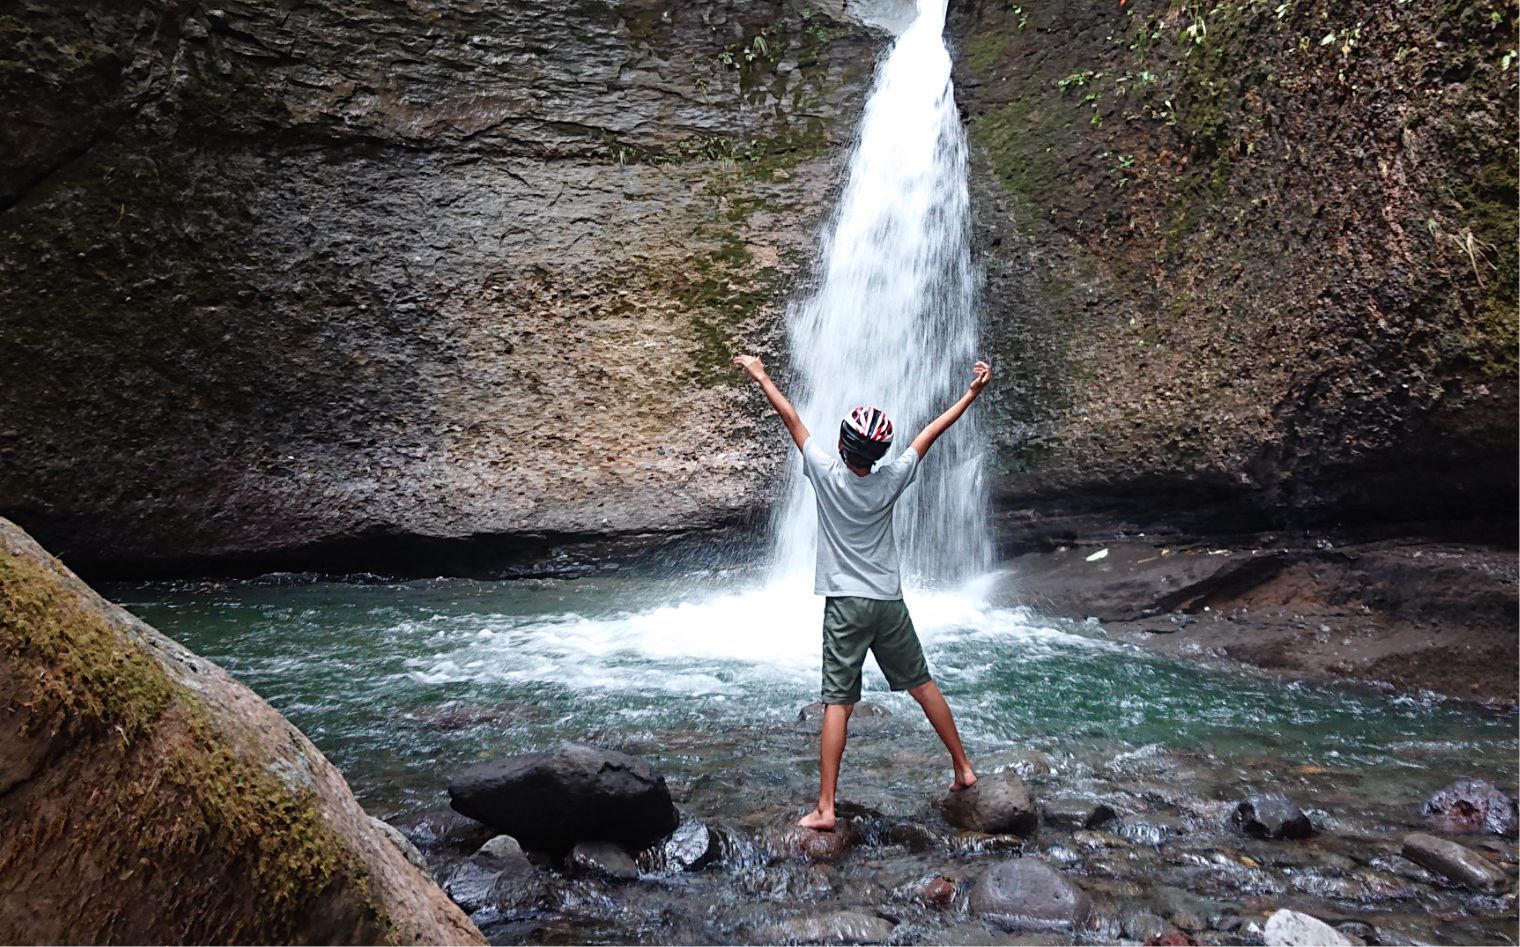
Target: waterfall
892, 320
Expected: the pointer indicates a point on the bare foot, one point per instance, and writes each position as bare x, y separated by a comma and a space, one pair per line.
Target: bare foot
964, 779
818, 820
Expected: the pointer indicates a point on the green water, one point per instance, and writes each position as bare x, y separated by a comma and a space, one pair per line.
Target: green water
402, 683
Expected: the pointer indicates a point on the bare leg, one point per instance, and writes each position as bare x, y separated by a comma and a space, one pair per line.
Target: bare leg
938, 712
836, 719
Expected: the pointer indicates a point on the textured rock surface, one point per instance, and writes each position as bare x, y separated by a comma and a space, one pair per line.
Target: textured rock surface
1471, 805
398, 287
1237, 272
319, 285
147, 797
603, 858
840, 927
572, 793
999, 802
1025, 894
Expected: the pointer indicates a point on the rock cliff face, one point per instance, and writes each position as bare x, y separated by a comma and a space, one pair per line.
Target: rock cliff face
338, 285
1248, 264
288, 276
147, 798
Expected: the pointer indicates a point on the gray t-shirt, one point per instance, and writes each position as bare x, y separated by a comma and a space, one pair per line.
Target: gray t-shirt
856, 552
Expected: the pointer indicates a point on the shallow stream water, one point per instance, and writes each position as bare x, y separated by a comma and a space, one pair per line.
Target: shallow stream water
402, 684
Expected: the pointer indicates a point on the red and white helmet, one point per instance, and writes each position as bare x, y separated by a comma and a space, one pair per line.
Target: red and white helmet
864, 435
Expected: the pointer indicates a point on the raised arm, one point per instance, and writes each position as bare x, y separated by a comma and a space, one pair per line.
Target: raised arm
981, 374
755, 368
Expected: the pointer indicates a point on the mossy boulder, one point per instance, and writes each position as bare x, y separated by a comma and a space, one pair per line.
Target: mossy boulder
147, 797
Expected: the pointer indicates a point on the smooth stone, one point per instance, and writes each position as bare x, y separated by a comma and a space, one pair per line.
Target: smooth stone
1171, 938
573, 793
1358, 932
1291, 929
1073, 812
840, 927
518, 887
1456, 862
446, 831
470, 883
913, 836
1027, 894
603, 858
1471, 805
1271, 815
999, 803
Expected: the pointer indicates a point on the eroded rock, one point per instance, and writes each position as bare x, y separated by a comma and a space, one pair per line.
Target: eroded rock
1471, 805
1072, 812
840, 927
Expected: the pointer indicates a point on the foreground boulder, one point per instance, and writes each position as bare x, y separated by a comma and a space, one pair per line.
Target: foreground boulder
1456, 862
147, 797
1026, 894
1471, 805
573, 793
1272, 815
999, 803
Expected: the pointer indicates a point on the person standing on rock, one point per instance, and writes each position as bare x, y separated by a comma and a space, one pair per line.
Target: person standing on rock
858, 574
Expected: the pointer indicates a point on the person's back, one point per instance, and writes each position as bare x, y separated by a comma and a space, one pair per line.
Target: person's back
858, 573
857, 552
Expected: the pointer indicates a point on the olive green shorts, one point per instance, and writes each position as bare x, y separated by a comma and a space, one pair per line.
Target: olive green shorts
852, 626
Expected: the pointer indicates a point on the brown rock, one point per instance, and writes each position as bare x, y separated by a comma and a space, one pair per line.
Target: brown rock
150, 798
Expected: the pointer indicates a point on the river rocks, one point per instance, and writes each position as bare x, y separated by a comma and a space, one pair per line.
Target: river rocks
1271, 815
938, 891
1292, 929
201, 813
1471, 805
471, 882
573, 793
1026, 894
606, 859
997, 803
519, 887
692, 846
840, 927
1453, 861
794, 841
1142, 925
1072, 812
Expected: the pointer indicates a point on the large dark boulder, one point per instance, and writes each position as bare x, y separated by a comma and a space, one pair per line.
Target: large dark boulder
999, 804
1471, 805
1271, 815
549, 801
1025, 894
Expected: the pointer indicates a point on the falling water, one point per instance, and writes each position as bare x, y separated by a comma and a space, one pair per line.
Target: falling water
892, 322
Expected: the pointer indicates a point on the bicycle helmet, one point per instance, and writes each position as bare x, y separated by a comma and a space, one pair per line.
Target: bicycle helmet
865, 434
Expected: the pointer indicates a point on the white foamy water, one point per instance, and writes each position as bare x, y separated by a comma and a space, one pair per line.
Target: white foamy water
892, 322
717, 644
